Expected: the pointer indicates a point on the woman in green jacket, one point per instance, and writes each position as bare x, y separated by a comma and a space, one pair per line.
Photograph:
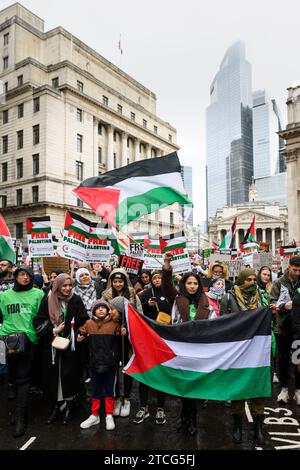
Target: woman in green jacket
18, 307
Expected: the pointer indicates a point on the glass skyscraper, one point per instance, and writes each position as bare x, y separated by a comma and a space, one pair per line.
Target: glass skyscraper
267, 145
229, 131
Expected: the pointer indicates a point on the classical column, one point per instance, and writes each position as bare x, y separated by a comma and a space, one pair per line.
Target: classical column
219, 236
95, 146
124, 149
282, 236
273, 240
148, 151
110, 148
137, 155
264, 235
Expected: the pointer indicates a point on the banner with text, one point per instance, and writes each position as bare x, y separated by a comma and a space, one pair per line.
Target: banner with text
84, 240
39, 236
176, 244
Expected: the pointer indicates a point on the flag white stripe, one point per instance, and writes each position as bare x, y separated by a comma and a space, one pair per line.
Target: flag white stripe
134, 186
201, 357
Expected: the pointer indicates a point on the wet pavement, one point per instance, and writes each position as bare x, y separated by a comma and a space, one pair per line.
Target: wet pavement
282, 428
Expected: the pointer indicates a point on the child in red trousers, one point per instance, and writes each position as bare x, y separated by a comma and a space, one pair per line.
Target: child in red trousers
102, 331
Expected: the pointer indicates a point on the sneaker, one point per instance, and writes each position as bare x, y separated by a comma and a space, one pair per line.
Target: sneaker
125, 409
275, 378
283, 395
160, 417
297, 397
117, 409
142, 414
110, 424
91, 421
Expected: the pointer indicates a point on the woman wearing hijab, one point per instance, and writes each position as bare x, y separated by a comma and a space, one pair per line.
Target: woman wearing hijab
189, 303
18, 308
143, 281
62, 313
245, 296
87, 289
119, 285
153, 301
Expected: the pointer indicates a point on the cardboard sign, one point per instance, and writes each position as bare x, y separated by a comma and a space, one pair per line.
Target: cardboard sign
39, 237
131, 265
55, 262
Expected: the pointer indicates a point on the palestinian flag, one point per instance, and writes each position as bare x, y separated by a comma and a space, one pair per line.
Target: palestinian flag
122, 245
228, 240
250, 247
223, 359
78, 224
128, 193
250, 234
38, 225
264, 247
289, 250
152, 246
7, 251
175, 242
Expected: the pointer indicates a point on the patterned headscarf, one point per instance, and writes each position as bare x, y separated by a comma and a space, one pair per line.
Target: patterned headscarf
56, 298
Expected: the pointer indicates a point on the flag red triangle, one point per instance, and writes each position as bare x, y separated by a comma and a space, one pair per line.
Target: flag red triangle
163, 244
3, 227
146, 243
29, 226
149, 348
69, 221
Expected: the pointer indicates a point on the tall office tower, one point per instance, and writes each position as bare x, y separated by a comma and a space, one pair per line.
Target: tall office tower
187, 177
266, 143
269, 161
229, 131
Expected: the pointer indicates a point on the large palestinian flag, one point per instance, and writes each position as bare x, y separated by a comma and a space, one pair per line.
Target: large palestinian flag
128, 193
7, 251
223, 359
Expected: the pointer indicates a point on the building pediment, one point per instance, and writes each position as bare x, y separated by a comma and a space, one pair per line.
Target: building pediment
247, 216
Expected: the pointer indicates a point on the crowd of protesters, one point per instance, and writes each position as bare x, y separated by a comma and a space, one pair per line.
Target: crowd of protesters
76, 334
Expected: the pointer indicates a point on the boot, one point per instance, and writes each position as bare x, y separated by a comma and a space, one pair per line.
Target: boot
237, 428
20, 423
67, 413
55, 413
258, 429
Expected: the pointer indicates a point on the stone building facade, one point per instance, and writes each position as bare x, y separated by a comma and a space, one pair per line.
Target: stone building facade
66, 114
292, 155
270, 223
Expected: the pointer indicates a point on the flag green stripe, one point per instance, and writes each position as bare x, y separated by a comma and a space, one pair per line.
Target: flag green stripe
174, 247
231, 384
6, 251
40, 230
158, 198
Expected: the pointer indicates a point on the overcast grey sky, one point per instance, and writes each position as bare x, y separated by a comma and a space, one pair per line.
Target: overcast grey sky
175, 47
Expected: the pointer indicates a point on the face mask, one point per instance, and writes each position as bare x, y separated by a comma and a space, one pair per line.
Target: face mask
217, 291
250, 289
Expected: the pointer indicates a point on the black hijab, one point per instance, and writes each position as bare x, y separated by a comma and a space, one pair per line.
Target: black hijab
18, 287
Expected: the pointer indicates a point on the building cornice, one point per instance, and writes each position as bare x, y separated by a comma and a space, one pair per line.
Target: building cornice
89, 76
59, 30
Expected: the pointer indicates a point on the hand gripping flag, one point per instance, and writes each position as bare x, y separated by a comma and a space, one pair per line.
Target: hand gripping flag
223, 359
130, 192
